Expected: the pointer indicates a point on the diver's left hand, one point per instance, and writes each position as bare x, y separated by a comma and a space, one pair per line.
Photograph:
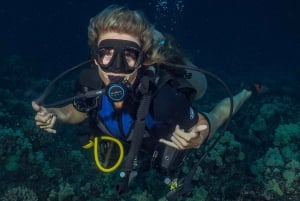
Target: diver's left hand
187, 140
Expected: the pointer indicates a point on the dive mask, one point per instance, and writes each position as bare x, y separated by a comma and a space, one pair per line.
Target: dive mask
119, 56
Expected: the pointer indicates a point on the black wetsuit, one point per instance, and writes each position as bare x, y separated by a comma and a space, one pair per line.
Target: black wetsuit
169, 107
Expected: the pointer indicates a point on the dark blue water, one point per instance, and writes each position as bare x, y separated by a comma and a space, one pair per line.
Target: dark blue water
243, 37
238, 40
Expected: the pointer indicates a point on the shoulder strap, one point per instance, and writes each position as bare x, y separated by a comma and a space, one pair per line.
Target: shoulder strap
137, 135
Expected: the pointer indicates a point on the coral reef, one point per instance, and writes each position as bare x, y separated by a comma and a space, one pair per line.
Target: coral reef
279, 168
256, 159
20, 193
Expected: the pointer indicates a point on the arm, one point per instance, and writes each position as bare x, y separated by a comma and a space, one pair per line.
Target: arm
206, 127
68, 114
45, 118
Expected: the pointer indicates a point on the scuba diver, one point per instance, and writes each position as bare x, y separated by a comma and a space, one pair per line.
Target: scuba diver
140, 99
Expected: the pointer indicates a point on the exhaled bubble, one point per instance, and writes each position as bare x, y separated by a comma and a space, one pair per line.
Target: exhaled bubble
167, 12
180, 6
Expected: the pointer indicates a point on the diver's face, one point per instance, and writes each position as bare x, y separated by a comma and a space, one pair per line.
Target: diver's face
118, 57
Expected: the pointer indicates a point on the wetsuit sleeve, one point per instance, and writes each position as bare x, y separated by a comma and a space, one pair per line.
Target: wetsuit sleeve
172, 107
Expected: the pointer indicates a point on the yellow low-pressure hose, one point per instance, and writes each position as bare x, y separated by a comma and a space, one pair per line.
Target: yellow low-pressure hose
96, 155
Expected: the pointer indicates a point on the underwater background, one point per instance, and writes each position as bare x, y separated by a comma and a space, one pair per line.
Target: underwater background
258, 156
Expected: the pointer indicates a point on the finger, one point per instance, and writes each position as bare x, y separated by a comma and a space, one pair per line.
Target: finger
186, 144
50, 118
188, 137
168, 143
179, 143
188, 140
43, 117
179, 140
50, 130
49, 123
201, 128
40, 123
45, 124
53, 120
179, 133
40, 118
40, 109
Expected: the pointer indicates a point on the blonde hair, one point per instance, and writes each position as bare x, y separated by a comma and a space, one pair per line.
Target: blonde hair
123, 20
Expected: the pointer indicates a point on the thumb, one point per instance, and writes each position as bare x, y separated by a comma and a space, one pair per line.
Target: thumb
201, 128
37, 107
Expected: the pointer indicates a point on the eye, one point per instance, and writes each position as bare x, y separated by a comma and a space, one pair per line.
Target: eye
105, 55
131, 57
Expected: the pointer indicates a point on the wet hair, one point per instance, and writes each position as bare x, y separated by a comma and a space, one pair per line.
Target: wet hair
157, 47
121, 20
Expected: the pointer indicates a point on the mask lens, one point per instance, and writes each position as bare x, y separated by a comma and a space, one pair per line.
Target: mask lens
119, 56
105, 56
131, 55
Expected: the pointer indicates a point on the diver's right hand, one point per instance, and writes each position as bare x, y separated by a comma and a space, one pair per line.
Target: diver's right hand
43, 118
